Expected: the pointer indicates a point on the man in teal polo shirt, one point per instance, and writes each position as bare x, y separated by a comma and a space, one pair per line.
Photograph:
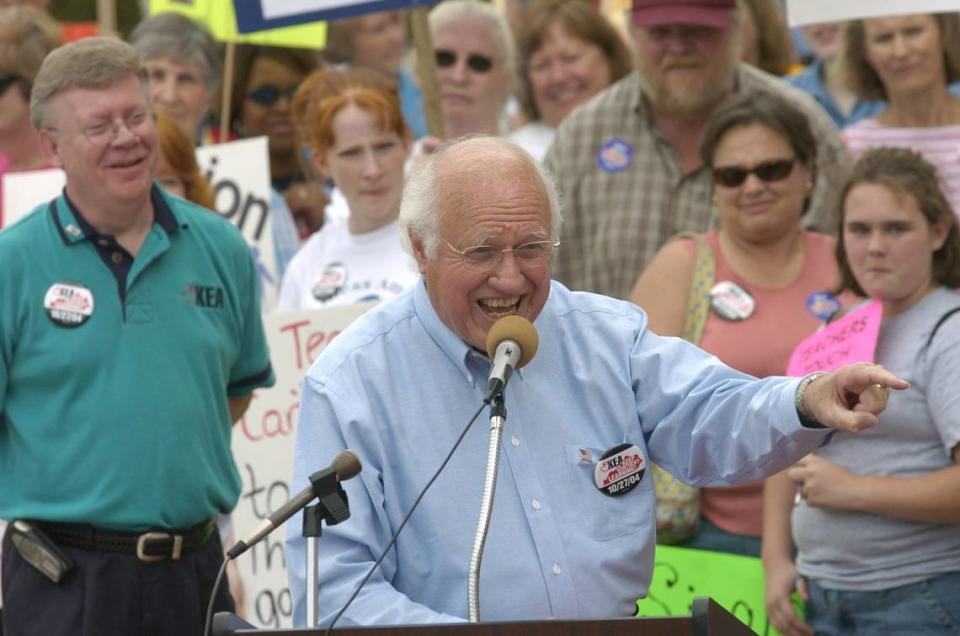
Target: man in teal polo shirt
130, 340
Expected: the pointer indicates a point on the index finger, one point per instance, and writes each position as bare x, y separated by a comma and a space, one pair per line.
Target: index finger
878, 375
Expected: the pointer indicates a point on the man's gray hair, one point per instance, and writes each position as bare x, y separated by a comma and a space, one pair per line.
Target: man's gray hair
419, 206
88, 63
482, 13
180, 39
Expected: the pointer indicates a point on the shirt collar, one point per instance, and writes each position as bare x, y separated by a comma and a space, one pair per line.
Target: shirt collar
459, 352
73, 227
450, 343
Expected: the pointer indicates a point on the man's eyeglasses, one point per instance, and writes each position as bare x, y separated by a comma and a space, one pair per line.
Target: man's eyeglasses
105, 132
268, 94
7, 80
769, 171
482, 258
477, 63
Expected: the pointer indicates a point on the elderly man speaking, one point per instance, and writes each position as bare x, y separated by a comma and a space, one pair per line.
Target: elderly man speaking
399, 384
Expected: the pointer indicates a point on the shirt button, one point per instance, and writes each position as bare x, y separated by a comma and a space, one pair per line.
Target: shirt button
556, 569
515, 441
535, 504
117, 257
102, 243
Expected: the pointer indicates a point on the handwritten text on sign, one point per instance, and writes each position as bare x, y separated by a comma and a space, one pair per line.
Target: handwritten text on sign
732, 580
852, 338
263, 449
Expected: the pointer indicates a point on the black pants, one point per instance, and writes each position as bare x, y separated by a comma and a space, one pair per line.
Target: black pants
109, 593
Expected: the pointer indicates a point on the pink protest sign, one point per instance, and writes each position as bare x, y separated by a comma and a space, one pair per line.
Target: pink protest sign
852, 338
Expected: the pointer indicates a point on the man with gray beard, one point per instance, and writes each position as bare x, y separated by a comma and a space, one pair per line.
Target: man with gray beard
626, 162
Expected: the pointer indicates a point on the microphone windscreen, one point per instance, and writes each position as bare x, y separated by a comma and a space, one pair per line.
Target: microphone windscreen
346, 465
518, 329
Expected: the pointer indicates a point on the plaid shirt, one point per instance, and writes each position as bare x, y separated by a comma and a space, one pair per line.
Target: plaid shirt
624, 192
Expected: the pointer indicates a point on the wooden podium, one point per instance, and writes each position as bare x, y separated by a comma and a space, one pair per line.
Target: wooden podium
707, 619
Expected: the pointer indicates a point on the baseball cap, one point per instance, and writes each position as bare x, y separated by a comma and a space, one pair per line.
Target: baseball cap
709, 13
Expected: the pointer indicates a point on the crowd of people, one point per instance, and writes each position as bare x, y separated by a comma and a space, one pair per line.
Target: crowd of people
686, 165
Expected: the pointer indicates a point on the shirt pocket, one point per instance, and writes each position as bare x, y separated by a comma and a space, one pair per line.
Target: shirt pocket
603, 516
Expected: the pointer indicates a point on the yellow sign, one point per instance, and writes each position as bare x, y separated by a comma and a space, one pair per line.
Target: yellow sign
220, 20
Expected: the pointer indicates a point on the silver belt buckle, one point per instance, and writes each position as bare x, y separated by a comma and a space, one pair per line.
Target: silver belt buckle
159, 536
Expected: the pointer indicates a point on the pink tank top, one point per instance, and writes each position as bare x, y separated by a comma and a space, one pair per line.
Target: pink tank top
761, 345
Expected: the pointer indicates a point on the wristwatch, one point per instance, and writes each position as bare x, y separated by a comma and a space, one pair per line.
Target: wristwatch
806, 418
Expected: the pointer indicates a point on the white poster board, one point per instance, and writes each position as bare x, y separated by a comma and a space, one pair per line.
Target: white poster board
263, 450
239, 173
23, 191
801, 12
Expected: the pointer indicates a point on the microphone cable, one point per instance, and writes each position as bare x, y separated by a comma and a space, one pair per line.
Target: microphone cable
393, 539
208, 621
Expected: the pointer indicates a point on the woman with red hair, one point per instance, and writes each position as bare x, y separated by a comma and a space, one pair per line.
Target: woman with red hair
354, 127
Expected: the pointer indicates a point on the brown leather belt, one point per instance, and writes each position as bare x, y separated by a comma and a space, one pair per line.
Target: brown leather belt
155, 545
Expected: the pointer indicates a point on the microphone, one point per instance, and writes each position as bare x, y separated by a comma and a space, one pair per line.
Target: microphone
344, 466
511, 343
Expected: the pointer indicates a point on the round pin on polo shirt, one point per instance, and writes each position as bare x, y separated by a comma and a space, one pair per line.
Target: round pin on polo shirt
731, 301
619, 470
68, 304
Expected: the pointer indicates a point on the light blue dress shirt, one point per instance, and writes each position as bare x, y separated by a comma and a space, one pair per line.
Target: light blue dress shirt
398, 386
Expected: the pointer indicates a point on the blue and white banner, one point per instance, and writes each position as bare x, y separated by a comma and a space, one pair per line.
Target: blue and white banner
259, 15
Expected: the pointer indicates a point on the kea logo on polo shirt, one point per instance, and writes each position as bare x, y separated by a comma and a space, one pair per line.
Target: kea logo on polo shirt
207, 296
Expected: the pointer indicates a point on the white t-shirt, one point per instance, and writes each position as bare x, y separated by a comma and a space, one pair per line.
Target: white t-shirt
335, 267
535, 138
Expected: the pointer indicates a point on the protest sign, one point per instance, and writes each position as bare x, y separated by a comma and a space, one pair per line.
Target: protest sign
257, 15
852, 338
219, 18
732, 580
263, 449
801, 12
239, 172
23, 191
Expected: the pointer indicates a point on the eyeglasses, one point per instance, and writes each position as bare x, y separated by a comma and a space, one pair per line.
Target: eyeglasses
482, 258
769, 171
7, 80
105, 132
477, 63
268, 94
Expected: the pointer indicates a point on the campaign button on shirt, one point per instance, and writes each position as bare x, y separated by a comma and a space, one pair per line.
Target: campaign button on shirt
822, 304
68, 304
330, 282
731, 301
615, 155
619, 470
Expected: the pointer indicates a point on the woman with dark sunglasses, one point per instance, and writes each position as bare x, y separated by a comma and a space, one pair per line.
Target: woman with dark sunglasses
769, 287
27, 34
474, 54
266, 78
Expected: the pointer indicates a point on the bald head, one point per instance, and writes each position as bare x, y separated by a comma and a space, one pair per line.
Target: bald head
441, 183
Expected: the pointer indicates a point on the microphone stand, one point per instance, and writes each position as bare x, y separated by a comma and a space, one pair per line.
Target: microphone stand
333, 508
312, 518
498, 415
